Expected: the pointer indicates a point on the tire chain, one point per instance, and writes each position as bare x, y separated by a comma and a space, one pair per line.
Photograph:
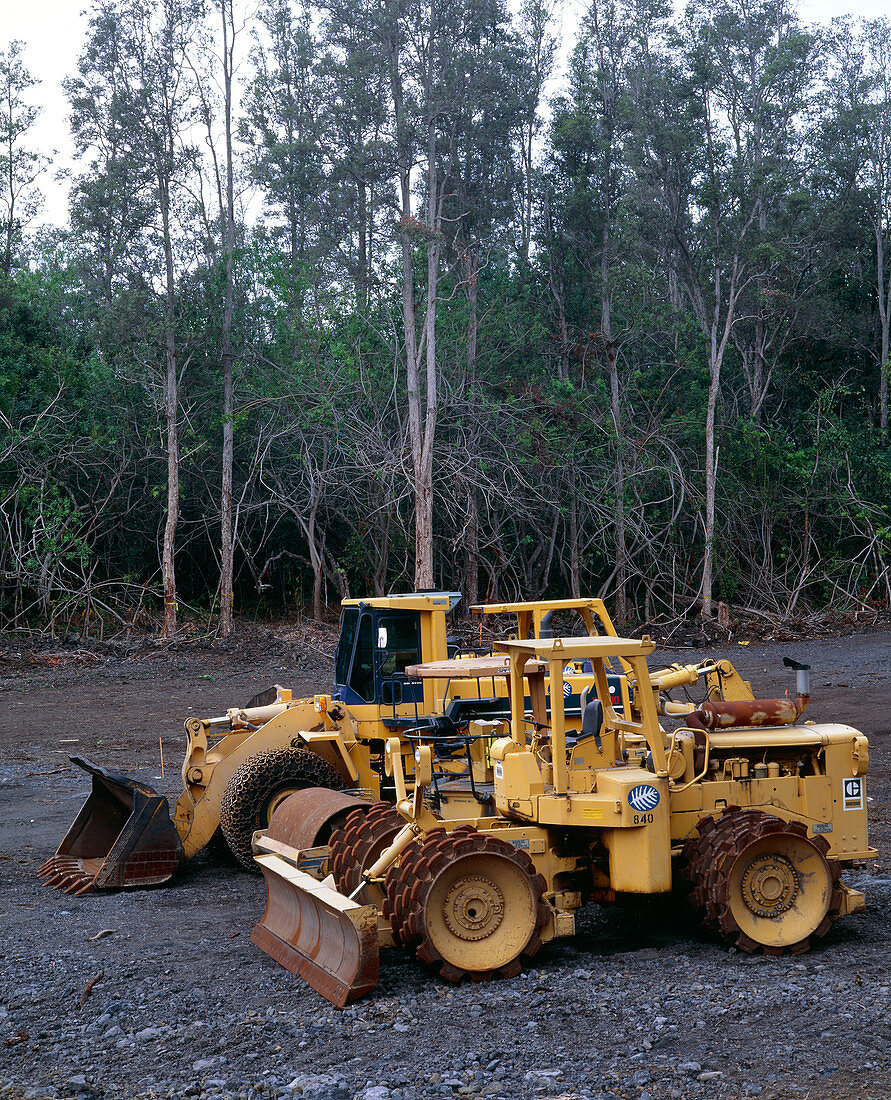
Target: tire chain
710, 857
408, 885
247, 792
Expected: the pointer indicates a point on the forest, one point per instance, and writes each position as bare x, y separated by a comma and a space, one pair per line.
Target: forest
361, 296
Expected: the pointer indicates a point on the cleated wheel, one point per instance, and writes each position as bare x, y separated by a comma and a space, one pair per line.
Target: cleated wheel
364, 836
259, 785
762, 883
468, 903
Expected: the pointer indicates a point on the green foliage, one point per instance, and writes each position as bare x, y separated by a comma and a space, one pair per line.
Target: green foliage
582, 263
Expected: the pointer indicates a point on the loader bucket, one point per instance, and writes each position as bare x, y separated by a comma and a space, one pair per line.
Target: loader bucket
123, 836
316, 932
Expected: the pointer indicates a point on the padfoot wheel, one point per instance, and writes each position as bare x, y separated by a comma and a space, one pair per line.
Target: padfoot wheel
356, 846
262, 783
468, 903
761, 883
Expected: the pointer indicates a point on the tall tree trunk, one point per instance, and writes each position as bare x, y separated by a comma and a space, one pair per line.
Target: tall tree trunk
424, 463
472, 549
415, 428
424, 466
883, 294
757, 385
471, 284
422, 420
471, 583
717, 349
711, 477
227, 527
317, 578
575, 585
621, 608
717, 332
171, 407
362, 261
9, 221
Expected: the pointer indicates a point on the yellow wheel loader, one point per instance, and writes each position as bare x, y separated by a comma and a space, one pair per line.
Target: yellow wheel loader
239, 767
755, 810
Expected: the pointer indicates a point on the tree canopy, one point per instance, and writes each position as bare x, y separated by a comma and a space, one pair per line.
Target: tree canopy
359, 297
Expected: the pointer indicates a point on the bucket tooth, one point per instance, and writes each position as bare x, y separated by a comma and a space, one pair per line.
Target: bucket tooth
123, 836
314, 931
59, 872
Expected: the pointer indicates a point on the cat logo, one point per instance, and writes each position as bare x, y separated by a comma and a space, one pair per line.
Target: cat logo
852, 794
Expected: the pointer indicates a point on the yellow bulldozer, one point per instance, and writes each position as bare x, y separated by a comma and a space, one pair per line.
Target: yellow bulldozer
239, 767
753, 809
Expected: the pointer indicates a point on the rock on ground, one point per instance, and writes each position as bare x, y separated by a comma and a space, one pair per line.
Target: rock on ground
638, 1006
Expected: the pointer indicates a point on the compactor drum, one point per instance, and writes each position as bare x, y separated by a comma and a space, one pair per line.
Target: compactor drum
756, 811
760, 881
467, 904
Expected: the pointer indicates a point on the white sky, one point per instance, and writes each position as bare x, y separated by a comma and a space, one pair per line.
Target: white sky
53, 32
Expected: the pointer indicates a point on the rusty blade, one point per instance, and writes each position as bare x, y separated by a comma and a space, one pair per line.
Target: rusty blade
314, 931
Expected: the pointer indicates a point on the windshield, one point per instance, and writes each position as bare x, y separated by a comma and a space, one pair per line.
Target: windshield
362, 675
375, 645
402, 644
348, 624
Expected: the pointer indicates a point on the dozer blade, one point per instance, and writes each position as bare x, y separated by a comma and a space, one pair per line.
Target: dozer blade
316, 932
123, 836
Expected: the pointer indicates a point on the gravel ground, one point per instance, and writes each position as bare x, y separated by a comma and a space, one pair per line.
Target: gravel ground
175, 1001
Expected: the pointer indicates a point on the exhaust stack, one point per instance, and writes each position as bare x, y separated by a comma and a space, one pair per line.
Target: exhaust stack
802, 682
719, 714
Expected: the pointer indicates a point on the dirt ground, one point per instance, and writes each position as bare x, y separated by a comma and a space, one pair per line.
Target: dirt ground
638, 1006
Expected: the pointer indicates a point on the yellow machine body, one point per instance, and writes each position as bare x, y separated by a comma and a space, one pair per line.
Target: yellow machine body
553, 812
106, 847
340, 733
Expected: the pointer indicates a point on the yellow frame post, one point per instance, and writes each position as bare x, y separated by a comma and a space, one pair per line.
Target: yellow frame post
558, 722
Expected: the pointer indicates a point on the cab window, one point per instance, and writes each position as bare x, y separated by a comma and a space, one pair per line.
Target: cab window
400, 635
362, 674
348, 626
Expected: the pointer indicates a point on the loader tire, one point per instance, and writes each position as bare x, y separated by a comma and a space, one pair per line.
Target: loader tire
761, 883
259, 784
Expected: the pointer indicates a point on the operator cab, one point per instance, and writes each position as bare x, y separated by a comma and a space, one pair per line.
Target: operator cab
375, 646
